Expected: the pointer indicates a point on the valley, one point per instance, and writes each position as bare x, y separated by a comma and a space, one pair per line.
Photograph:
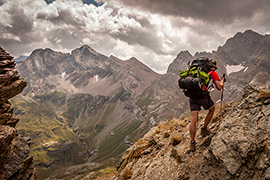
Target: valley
83, 106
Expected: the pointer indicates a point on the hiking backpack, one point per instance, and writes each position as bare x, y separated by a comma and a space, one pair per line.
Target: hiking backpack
193, 79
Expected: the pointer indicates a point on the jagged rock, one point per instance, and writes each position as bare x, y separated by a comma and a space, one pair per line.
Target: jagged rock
267, 174
183, 124
261, 80
10, 83
238, 148
15, 161
243, 135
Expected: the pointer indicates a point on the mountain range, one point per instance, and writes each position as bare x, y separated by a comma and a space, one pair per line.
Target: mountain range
84, 106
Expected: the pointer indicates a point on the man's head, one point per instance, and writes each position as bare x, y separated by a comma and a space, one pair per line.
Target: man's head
213, 64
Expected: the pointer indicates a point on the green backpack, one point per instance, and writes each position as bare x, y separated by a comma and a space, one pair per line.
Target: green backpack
193, 72
193, 79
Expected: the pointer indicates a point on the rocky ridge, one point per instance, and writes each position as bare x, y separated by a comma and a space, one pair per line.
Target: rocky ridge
238, 148
15, 161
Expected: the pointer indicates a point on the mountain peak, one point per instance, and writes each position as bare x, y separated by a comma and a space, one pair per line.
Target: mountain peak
241, 46
250, 32
184, 54
180, 62
247, 33
202, 54
42, 53
135, 62
37, 51
133, 59
87, 49
85, 46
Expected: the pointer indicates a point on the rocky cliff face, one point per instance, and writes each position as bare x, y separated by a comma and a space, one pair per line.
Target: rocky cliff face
15, 161
238, 148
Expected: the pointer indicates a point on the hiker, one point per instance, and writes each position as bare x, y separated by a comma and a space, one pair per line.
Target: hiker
207, 103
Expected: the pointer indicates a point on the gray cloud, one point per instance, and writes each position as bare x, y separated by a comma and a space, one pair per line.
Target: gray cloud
18, 31
208, 10
152, 31
62, 16
22, 25
140, 36
65, 38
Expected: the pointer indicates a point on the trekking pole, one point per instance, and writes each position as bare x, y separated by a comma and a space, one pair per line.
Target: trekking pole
221, 99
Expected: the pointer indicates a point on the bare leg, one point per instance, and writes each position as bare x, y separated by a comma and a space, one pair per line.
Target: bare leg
209, 116
192, 126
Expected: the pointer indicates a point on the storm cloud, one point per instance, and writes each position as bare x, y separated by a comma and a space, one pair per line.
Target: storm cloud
207, 10
152, 31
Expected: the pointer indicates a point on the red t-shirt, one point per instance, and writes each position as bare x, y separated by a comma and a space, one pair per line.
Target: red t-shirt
214, 76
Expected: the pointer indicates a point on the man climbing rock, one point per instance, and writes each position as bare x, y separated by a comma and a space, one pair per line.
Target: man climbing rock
207, 103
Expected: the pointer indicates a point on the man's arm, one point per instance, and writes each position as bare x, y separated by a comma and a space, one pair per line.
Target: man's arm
219, 84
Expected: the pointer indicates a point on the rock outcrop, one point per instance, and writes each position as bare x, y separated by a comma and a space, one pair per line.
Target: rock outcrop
15, 161
238, 148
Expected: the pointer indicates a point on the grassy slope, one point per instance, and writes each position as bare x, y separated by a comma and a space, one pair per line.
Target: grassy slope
49, 119
52, 139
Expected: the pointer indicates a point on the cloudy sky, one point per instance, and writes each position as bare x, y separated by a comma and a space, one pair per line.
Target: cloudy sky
153, 31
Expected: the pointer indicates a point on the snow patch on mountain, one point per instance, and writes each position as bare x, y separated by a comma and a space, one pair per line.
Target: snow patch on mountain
96, 77
63, 74
245, 69
234, 68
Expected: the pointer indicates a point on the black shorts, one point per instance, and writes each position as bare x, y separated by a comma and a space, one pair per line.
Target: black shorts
195, 104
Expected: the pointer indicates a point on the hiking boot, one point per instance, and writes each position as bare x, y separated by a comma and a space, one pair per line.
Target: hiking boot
192, 146
205, 132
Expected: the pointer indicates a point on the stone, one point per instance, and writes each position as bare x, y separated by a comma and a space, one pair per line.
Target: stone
5, 117
11, 90
267, 174
15, 161
183, 124
262, 162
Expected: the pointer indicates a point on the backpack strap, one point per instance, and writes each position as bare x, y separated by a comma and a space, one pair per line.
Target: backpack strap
210, 84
